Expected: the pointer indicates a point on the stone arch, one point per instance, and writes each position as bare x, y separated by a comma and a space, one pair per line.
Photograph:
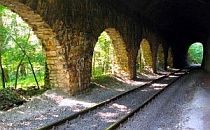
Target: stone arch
160, 57
145, 56
170, 58
103, 57
120, 59
54, 55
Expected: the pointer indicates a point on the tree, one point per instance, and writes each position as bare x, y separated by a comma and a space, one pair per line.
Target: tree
3, 43
195, 53
103, 53
20, 50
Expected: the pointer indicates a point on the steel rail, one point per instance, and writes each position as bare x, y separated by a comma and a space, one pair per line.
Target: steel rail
145, 103
75, 115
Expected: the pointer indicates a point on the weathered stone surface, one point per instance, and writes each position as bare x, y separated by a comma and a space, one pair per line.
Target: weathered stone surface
207, 57
69, 30
160, 57
170, 58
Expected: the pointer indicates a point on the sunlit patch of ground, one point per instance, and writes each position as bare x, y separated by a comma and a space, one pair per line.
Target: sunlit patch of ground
55, 104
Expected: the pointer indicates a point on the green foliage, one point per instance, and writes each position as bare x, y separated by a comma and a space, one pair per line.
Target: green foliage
18, 42
103, 56
102, 79
144, 58
195, 53
2, 10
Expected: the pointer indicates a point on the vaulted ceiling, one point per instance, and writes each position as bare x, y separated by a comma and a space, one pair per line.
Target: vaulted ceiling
176, 20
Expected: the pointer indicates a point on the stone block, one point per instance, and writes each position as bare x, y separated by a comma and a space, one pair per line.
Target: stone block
51, 53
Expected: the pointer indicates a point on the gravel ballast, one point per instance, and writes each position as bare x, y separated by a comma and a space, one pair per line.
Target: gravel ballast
184, 106
54, 105
103, 117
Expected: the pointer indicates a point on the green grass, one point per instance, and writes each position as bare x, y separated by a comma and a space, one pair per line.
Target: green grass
102, 79
25, 82
30, 81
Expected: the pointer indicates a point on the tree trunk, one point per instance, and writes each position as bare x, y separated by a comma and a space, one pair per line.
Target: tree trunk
32, 69
6, 74
22, 69
2, 73
17, 71
2, 40
24, 52
103, 67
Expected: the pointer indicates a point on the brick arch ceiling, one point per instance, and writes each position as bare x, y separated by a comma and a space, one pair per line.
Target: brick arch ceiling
175, 20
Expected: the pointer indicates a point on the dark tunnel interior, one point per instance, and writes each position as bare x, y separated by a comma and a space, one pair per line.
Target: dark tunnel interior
179, 22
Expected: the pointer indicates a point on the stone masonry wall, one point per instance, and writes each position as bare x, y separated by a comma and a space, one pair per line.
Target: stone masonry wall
160, 57
170, 58
155, 41
121, 62
69, 30
206, 58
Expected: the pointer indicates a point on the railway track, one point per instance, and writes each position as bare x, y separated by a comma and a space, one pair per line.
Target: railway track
113, 112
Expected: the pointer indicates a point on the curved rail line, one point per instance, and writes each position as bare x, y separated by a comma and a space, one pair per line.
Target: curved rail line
123, 119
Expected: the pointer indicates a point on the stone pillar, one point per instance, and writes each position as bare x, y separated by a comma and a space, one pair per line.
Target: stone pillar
121, 56
180, 57
170, 58
160, 63
132, 63
166, 51
79, 61
154, 63
207, 56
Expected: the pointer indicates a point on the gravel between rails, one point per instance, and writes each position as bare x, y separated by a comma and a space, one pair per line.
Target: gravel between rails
165, 111
55, 105
102, 117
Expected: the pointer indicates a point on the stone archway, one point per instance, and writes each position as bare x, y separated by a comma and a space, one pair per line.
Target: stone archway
145, 56
58, 75
120, 60
170, 58
160, 58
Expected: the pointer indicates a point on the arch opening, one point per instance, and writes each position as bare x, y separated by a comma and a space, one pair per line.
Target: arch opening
103, 56
58, 74
170, 59
110, 55
195, 54
160, 58
22, 58
144, 58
